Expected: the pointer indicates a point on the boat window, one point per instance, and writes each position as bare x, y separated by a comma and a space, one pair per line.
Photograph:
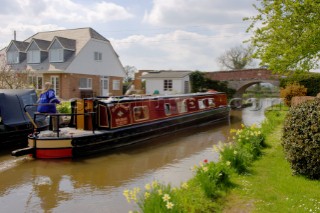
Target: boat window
167, 109
201, 103
182, 106
211, 102
140, 113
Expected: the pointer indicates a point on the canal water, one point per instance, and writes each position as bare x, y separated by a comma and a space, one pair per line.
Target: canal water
96, 183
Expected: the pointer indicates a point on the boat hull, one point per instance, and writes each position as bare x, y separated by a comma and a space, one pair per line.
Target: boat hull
100, 141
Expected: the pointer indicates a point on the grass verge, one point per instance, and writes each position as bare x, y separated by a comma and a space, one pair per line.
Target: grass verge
270, 185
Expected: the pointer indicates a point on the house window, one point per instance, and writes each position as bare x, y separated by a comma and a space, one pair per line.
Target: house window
56, 55
13, 57
116, 85
97, 56
85, 83
36, 82
55, 80
167, 85
33, 56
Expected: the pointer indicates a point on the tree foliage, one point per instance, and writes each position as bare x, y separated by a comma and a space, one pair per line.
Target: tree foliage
309, 80
200, 83
237, 57
286, 34
292, 90
10, 79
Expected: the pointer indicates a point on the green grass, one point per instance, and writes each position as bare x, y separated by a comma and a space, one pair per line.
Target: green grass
270, 185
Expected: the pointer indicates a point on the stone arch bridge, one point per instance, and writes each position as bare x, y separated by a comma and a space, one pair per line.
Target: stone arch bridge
240, 80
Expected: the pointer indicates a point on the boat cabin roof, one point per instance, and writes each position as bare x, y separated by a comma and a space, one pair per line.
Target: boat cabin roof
117, 99
12, 103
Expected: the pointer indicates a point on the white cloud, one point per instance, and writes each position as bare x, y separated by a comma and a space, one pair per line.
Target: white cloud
190, 12
69, 11
28, 17
175, 50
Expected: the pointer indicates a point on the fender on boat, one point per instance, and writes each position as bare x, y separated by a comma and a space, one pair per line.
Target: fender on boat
24, 151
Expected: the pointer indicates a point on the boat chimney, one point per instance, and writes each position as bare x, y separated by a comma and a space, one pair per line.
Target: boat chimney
14, 35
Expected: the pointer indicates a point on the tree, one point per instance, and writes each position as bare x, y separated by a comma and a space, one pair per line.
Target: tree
10, 79
236, 58
128, 79
129, 71
286, 34
200, 83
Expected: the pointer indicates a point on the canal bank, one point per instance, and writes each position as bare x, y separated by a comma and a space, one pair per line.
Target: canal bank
270, 185
96, 184
212, 180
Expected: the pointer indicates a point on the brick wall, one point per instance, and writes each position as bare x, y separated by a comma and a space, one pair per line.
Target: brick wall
240, 74
113, 92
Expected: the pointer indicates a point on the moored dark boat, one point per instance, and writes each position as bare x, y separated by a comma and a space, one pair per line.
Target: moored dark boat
15, 125
100, 124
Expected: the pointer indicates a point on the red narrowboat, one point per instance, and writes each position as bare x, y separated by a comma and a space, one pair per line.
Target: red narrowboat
100, 124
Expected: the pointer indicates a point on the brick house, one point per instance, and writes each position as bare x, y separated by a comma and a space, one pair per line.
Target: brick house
79, 62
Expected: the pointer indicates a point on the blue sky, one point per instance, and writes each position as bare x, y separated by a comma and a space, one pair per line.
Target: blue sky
146, 34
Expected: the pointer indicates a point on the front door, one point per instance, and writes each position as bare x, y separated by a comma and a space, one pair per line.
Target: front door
104, 86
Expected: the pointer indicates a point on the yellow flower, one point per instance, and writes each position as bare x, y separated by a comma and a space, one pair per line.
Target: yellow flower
155, 184
235, 152
126, 194
233, 130
166, 197
228, 163
169, 205
160, 192
184, 185
205, 169
215, 148
146, 195
147, 186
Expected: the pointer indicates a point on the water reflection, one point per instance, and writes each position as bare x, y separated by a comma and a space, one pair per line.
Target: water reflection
96, 183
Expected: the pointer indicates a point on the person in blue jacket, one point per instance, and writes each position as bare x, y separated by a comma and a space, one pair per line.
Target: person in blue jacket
48, 100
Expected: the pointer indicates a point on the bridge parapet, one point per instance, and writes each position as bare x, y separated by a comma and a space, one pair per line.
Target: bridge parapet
240, 80
262, 74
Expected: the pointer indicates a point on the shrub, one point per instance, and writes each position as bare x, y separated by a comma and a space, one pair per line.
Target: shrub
239, 159
301, 139
247, 146
214, 178
292, 90
64, 107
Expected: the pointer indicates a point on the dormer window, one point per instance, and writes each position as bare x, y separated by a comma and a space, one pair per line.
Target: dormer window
37, 51
61, 49
13, 57
16, 52
56, 55
33, 56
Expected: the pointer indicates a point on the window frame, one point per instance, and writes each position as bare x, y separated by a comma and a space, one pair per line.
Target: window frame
144, 110
167, 85
56, 55
34, 80
97, 56
87, 82
13, 57
33, 56
115, 84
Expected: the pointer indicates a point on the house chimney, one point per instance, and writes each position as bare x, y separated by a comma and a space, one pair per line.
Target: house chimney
14, 35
